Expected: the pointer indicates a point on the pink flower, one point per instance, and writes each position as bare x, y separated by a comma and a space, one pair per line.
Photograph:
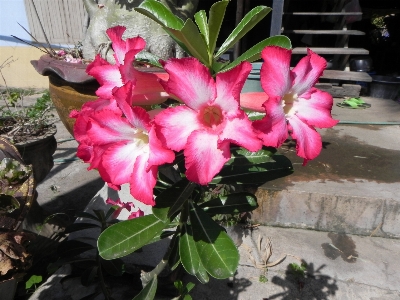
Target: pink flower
147, 89
136, 214
292, 104
211, 119
125, 147
85, 147
121, 205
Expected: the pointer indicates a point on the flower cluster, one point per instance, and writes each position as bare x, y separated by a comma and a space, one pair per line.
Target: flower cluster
127, 144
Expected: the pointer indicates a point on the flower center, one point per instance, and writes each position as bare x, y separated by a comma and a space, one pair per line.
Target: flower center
141, 139
287, 103
212, 116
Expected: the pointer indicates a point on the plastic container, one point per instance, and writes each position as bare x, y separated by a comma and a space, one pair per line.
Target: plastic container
385, 87
252, 83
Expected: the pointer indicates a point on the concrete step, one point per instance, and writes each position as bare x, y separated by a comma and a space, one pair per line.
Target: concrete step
352, 187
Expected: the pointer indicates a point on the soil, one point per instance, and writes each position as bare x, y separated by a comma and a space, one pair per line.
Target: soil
25, 134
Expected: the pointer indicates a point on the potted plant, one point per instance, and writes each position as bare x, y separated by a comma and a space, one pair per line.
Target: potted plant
29, 128
69, 84
17, 186
205, 139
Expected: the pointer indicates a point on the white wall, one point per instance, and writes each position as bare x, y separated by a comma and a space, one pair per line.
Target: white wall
11, 12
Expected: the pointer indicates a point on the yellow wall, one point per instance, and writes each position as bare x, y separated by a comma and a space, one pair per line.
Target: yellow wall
21, 73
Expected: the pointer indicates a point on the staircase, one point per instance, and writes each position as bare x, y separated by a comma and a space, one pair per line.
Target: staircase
340, 79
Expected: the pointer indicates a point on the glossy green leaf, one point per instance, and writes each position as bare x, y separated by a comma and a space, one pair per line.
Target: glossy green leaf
80, 226
241, 156
255, 174
246, 24
148, 58
114, 267
254, 53
217, 13
159, 13
174, 259
189, 256
69, 248
171, 199
88, 275
149, 291
230, 204
201, 20
161, 236
193, 42
126, 237
216, 249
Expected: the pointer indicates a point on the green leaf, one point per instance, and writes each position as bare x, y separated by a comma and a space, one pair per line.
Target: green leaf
255, 174
161, 236
149, 291
83, 214
8, 204
201, 20
246, 24
254, 53
193, 42
148, 58
171, 199
230, 204
126, 237
88, 275
159, 13
189, 256
34, 279
69, 248
216, 250
114, 267
80, 226
241, 156
217, 13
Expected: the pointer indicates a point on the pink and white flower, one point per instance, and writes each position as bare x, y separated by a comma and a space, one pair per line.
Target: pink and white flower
147, 90
211, 119
291, 102
125, 148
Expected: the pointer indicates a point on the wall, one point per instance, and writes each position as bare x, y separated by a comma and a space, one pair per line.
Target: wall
64, 27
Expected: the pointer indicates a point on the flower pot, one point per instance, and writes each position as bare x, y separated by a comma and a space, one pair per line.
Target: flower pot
384, 87
67, 96
24, 192
38, 152
70, 87
8, 289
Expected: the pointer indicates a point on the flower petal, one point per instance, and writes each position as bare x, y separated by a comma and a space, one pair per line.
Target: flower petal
174, 126
143, 181
272, 128
275, 71
190, 81
119, 160
307, 72
316, 110
205, 156
229, 84
308, 140
239, 131
159, 155
108, 77
118, 44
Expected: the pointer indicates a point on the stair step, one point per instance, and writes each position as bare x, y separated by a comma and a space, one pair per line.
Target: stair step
345, 51
324, 13
346, 75
338, 32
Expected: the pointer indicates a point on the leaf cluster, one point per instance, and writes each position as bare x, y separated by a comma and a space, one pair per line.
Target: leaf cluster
199, 37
